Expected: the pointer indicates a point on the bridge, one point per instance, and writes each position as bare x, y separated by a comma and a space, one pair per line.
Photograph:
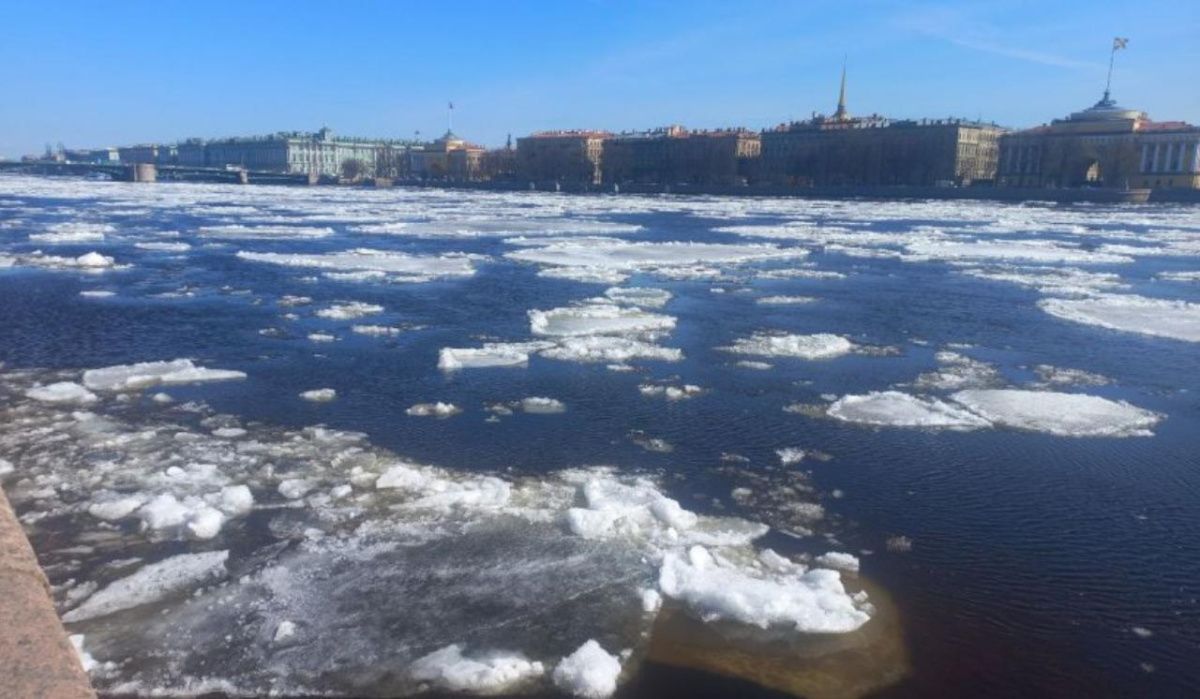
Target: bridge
150, 172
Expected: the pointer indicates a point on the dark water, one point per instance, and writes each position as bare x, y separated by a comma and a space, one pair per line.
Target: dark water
1034, 556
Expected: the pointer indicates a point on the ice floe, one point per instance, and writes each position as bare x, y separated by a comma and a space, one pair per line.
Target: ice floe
319, 395
896, 409
487, 672
1064, 414
395, 266
241, 232
817, 346
62, 392
438, 409
597, 319
812, 601
590, 672
542, 406
1178, 320
490, 355
133, 377
671, 393
73, 232
152, 583
349, 311
613, 260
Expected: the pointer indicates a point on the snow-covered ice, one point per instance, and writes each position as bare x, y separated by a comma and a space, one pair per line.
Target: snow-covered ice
485, 672
813, 601
1178, 320
1064, 414
590, 672
152, 583
133, 377
896, 409
817, 346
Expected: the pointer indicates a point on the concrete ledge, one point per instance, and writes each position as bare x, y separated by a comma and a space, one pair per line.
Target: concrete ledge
36, 659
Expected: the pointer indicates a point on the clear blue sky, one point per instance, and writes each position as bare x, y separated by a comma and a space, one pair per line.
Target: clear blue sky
107, 73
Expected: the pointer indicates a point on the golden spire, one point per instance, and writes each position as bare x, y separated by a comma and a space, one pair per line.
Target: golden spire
841, 114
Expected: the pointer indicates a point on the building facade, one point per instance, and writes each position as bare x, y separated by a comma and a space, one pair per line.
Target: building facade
1105, 145
675, 155
446, 158
843, 150
562, 156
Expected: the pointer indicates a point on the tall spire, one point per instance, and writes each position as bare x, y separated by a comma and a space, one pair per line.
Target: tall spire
841, 114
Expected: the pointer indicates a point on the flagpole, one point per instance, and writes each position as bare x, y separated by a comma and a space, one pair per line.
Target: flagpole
1112, 56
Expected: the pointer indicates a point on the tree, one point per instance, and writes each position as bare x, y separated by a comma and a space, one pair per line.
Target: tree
353, 169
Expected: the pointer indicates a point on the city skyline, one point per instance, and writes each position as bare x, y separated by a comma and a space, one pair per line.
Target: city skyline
135, 73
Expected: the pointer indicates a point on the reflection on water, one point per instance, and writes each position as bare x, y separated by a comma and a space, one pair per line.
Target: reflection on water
818, 666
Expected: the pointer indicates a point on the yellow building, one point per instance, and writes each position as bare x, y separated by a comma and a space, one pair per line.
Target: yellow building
1105, 145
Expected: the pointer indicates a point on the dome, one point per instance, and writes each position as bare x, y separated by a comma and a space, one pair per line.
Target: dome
1106, 110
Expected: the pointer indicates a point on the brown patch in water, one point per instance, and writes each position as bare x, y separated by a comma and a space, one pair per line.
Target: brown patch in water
818, 666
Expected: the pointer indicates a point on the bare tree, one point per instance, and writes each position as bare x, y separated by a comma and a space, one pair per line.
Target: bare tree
353, 169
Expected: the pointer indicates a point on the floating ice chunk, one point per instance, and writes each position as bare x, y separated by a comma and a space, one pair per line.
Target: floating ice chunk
204, 523
1042, 251
130, 377
610, 350
240, 232
295, 488
1060, 376
1178, 320
6, 467
957, 372
838, 561
818, 346
377, 330
236, 500
398, 266
484, 673
154, 246
97, 294
62, 392
73, 232
790, 455
1058, 281
784, 300
1064, 414
285, 630
321, 337
644, 297
495, 354
599, 257
541, 405
810, 602
1188, 276
319, 395
113, 509
438, 409
671, 393
596, 319
757, 366
585, 275
152, 583
651, 601
349, 311
94, 260
405, 476
896, 409
229, 432
85, 658
163, 512
589, 672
